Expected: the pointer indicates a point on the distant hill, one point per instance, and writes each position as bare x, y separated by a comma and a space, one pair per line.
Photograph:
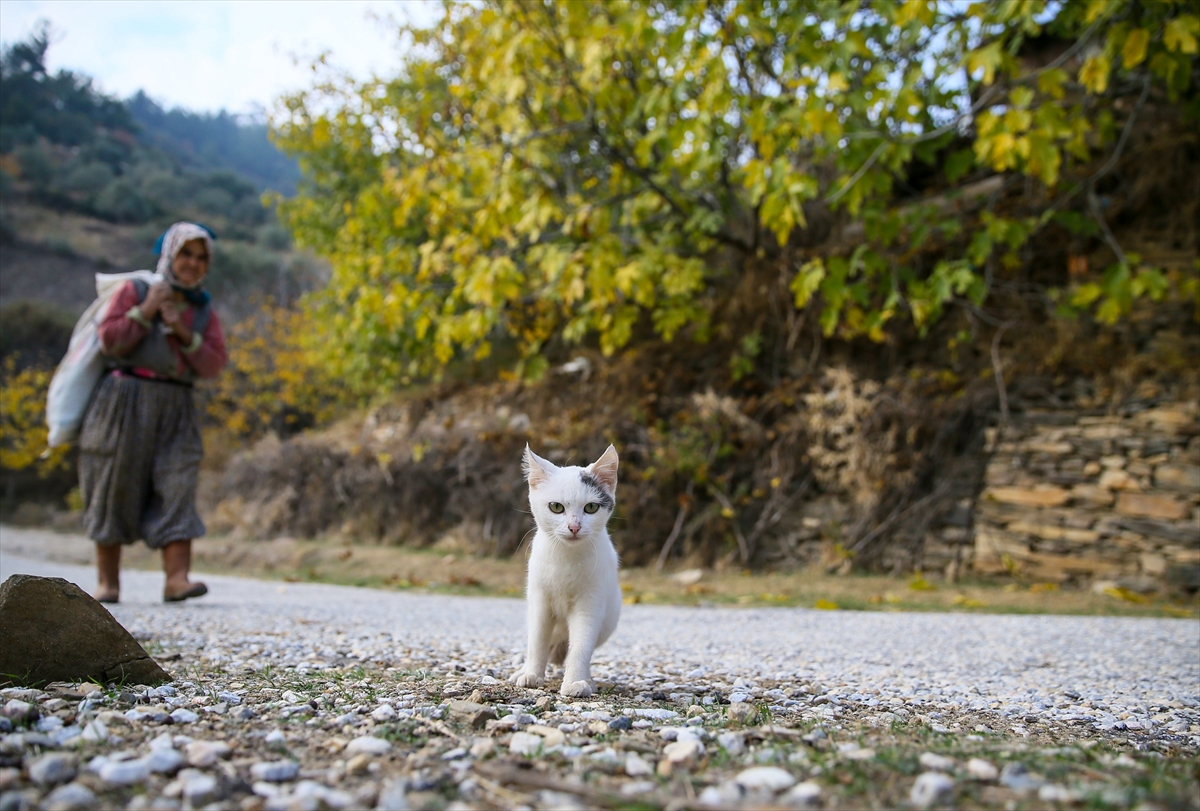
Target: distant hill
207, 142
69, 147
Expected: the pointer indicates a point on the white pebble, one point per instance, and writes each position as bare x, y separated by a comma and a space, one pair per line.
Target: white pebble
937, 763
636, 766
124, 772
279, 771
931, 788
203, 754
980, 769
182, 716
525, 743
765, 778
384, 712
368, 745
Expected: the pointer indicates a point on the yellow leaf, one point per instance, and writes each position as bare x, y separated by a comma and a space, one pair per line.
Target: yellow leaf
1095, 9
1180, 34
1126, 595
912, 10
1134, 50
807, 281
1094, 73
919, 583
827, 605
987, 59
1051, 83
837, 83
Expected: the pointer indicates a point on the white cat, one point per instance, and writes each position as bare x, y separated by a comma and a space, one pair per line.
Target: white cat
574, 599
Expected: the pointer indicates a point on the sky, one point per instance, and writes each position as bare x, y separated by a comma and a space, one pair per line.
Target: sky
209, 55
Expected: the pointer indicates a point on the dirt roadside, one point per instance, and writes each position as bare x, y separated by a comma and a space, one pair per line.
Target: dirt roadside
438, 571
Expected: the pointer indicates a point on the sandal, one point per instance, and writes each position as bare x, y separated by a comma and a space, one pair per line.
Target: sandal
108, 598
197, 590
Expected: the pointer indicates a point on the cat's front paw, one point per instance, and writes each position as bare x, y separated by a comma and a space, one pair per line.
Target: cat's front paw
575, 689
524, 679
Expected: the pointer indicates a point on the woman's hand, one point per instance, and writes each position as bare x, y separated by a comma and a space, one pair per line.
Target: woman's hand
172, 316
156, 296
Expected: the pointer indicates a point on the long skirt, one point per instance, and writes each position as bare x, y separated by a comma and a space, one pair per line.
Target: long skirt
139, 461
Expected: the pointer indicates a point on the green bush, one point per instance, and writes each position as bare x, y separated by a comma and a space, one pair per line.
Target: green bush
242, 266
164, 189
88, 178
273, 236
120, 201
37, 166
210, 201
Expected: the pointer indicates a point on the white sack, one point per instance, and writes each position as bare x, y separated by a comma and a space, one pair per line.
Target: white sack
83, 366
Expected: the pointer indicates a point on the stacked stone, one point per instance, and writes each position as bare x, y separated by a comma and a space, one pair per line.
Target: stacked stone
1073, 496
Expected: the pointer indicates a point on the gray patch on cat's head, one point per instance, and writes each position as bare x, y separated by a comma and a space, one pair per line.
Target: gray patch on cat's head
604, 497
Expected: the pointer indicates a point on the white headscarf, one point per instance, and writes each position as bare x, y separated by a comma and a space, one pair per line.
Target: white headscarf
172, 241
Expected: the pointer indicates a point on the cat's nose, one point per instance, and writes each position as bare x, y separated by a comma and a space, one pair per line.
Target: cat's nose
574, 526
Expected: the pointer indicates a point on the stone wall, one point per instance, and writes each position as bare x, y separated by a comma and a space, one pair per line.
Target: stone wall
1072, 495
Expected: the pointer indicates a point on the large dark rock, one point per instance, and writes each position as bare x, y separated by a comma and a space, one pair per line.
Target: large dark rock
54, 631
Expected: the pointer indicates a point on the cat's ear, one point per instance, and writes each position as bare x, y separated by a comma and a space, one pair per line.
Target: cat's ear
537, 469
605, 469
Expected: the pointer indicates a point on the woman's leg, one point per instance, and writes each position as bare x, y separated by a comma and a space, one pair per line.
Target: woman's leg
108, 572
177, 563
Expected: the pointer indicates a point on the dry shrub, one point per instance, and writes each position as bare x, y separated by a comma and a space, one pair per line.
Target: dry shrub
707, 478
848, 454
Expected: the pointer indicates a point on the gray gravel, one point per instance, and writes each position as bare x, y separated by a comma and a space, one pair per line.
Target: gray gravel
1112, 675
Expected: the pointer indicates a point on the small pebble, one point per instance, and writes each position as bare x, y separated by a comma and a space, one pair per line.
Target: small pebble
525, 743
368, 745
636, 766
278, 771
199, 789
183, 716
203, 754
52, 769
765, 778
68, 798
124, 772
935, 762
980, 769
931, 788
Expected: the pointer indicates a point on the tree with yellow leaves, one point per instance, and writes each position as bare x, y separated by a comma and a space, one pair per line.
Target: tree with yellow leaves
23, 430
567, 171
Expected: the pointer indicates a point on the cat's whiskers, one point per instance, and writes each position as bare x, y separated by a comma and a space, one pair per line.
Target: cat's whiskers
525, 538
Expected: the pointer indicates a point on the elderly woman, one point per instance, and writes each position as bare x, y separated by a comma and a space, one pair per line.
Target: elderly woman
140, 443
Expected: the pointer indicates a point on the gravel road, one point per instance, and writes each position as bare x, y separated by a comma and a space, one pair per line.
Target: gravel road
1110, 674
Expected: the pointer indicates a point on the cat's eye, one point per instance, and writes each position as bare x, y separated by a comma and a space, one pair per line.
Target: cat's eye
556, 508
590, 507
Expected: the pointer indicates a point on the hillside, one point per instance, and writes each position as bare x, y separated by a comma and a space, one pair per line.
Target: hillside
88, 182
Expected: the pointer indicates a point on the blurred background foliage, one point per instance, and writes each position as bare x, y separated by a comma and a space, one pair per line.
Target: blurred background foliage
548, 174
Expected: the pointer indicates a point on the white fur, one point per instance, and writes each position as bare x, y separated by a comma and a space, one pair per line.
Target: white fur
573, 596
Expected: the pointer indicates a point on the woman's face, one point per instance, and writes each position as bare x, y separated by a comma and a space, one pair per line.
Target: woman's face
191, 263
